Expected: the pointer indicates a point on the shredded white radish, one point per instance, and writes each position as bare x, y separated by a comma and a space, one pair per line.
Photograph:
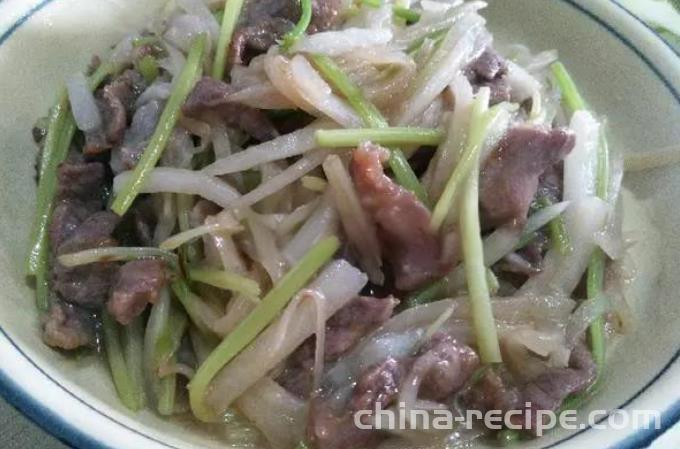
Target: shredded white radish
580, 166
360, 229
83, 105
283, 179
279, 415
334, 43
282, 147
584, 219
457, 49
261, 96
224, 223
177, 180
433, 22
319, 94
338, 283
199, 9
322, 223
266, 248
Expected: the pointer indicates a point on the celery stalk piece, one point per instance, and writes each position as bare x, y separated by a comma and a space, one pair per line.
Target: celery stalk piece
300, 28
595, 275
183, 86
122, 378
226, 281
266, 312
229, 17
339, 138
372, 118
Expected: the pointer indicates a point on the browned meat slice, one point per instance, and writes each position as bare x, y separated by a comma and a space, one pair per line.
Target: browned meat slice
87, 285
445, 366
116, 103
138, 284
412, 249
343, 331
378, 384
325, 15
253, 40
67, 327
209, 102
81, 181
490, 70
509, 178
268, 21
144, 122
495, 390
94, 232
328, 429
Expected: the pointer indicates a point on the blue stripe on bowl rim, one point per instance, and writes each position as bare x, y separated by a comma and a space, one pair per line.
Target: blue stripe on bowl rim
61, 429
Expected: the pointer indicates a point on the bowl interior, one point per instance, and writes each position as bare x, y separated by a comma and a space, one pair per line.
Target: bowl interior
642, 111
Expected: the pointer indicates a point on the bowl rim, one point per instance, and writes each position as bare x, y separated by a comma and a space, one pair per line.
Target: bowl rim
17, 392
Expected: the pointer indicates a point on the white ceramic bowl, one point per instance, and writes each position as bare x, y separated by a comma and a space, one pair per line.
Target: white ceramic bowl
627, 73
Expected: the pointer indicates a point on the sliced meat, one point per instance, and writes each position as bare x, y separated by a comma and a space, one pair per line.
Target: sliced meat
378, 384
94, 232
490, 70
144, 122
253, 40
266, 22
87, 285
209, 102
137, 226
446, 366
81, 181
66, 218
343, 331
330, 429
325, 15
412, 249
326, 430
67, 327
116, 103
509, 179
496, 391
137, 284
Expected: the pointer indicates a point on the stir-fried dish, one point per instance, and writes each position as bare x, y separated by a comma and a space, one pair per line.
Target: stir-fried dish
273, 215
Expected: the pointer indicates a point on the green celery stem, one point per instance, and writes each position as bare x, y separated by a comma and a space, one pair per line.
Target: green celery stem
265, 312
229, 16
166, 125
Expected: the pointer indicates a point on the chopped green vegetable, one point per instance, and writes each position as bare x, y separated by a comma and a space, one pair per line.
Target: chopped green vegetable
596, 267
193, 305
145, 40
183, 86
434, 291
369, 114
314, 183
372, 118
570, 93
127, 390
300, 28
132, 339
372, 3
559, 236
118, 254
409, 15
478, 132
60, 131
483, 321
230, 16
338, 138
268, 309
148, 67
226, 281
